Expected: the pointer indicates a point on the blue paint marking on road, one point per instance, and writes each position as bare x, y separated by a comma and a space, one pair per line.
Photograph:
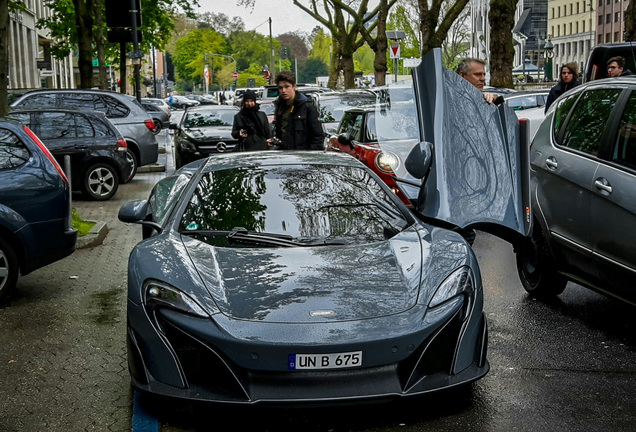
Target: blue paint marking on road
142, 421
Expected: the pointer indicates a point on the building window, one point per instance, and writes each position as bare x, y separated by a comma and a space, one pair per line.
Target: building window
600, 39
600, 19
552, 17
617, 37
578, 7
571, 9
574, 46
570, 28
583, 26
617, 17
600, 3
608, 18
608, 37
577, 26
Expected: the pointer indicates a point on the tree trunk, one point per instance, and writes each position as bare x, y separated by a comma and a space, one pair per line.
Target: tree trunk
122, 67
502, 19
84, 21
99, 43
381, 45
334, 66
630, 22
349, 71
4, 56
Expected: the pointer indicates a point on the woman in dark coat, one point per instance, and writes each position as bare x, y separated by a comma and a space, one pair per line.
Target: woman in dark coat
250, 126
568, 79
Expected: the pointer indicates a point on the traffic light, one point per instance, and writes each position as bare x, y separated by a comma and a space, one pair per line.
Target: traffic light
285, 52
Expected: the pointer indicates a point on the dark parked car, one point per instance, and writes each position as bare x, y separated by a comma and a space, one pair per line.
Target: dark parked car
124, 111
160, 117
331, 106
290, 276
597, 61
35, 209
203, 131
583, 179
96, 148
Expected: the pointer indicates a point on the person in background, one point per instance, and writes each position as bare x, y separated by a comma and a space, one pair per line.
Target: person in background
568, 79
616, 67
474, 71
296, 119
250, 125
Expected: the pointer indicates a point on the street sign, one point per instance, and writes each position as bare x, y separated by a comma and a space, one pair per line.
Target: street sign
235, 75
411, 62
394, 51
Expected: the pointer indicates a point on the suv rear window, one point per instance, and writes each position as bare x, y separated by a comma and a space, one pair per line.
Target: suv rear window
13, 152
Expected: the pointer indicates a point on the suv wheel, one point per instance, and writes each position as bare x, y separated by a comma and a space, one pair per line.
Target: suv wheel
8, 269
100, 182
157, 128
132, 159
536, 268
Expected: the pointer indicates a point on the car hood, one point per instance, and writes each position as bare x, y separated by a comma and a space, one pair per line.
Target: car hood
210, 133
478, 175
312, 284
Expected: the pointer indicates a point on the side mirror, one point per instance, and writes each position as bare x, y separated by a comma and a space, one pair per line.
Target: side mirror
418, 162
345, 139
136, 212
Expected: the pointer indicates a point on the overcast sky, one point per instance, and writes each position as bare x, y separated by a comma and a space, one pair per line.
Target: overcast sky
286, 17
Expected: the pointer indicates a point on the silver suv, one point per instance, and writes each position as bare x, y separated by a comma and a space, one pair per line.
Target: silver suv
583, 188
130, 118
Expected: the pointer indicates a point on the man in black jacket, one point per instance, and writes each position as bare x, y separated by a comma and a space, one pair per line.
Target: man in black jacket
296, 119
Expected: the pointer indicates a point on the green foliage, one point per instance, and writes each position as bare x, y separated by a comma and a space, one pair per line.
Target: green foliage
314, 67
82, 226
363, 60
189, 59
251, 47
321, 46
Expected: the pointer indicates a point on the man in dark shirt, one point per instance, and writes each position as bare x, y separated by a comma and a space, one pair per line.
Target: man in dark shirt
296, 119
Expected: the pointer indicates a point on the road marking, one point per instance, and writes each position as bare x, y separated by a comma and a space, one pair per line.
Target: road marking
142, 421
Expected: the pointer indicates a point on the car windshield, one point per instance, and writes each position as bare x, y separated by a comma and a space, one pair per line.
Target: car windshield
267, 108
332, 109
304, 203
205, 118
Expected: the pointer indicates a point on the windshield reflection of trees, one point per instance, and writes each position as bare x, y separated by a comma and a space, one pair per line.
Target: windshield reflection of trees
12, 151
308, 203
206, 119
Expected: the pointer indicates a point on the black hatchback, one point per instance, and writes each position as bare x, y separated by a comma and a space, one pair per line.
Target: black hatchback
96, 148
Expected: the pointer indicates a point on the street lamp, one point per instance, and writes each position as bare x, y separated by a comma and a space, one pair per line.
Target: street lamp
397, 36
549, 53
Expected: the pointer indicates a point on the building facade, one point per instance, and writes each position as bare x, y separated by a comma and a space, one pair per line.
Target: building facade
571, 27
30, 62
610, 21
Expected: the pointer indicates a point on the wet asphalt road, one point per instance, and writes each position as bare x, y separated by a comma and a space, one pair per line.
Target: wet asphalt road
566, 365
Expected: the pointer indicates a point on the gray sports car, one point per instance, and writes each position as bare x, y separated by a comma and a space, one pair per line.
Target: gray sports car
299, 276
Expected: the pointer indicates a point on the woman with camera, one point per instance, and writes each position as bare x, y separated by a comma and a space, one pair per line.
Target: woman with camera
250, 125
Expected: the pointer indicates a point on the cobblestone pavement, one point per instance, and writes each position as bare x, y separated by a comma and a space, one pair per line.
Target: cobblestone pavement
63, 349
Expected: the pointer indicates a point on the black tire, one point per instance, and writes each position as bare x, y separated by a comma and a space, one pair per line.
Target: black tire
536, 268
157, 128
100, 182
9, 269
132, 158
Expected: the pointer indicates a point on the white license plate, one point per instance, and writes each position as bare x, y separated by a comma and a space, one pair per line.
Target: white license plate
325, 361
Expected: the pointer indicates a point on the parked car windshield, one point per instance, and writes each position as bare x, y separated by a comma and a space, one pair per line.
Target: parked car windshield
308, 203
207, 118
332, 108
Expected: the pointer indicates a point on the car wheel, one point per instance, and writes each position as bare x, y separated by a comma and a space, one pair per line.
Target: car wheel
536, 268
157, 128
132, 159
100, 182
8, 269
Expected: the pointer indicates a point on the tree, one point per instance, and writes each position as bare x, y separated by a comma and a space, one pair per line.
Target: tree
190, 54
84, 24
378, 43
321, 46
436, 20
4, 56
313, 68
502, 18
457, 43
249, 47
221, 23
630, 22
296, 47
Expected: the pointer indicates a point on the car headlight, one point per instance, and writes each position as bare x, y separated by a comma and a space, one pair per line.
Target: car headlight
461, 281
158, 295
387, 162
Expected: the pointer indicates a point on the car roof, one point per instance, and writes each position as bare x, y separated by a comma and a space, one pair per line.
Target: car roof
526, 93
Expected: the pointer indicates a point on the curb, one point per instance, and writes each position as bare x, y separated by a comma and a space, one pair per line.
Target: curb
151, 168
95, 236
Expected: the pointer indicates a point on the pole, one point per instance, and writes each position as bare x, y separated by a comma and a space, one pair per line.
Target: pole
271, 49
395, 68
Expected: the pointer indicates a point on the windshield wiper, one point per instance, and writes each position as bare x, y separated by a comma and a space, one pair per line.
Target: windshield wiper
240, 234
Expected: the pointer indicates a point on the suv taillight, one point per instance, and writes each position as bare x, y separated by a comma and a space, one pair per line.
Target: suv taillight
150, 124
122, 146
46, 152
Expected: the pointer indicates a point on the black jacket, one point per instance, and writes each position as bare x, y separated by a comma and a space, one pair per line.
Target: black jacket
305, 131
257, 127
558, 90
